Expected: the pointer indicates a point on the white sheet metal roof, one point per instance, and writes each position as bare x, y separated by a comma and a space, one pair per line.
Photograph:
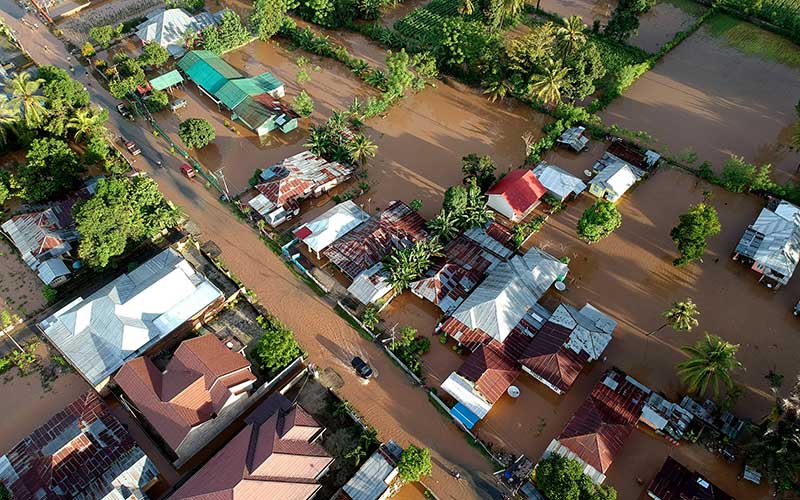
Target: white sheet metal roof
332, 225
616, 175
557, 181
168, 28
52, 269
99, 333
591, 329
262, 205
370, 285
773, 240
372, 480
503, 298
465, 393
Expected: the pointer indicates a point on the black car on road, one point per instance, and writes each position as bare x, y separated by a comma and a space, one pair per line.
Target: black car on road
361, 367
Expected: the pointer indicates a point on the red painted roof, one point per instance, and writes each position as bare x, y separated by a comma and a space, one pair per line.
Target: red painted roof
599, 428
490, 370
546, 356
520, 188
676, 482
194, 387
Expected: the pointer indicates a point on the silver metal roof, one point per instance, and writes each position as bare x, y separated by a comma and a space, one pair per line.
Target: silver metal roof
558, 182
773, 240
372, 479
615, 174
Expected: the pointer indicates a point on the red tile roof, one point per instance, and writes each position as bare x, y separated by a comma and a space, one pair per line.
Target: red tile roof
79, 451
520, 188
396, 227
273, 457
546, 356
599, 428
676, 482
490, 370
197, 383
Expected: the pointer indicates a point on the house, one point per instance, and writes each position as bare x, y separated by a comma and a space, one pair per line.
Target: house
253, 101
200, 385
599, 428
377, 478
771, 244
169, 27
502, 300
321, 232
665, 417
516, 195
574, 139
275, 456
296, 178
494, 238
566, 343
559, 183
676, 482
83, 452
462, 266
614, 177
97, 334
371, 286
396, 227
645, 161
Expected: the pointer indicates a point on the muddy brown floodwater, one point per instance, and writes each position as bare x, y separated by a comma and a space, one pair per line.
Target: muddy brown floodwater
717, 101
660, 24
588, 10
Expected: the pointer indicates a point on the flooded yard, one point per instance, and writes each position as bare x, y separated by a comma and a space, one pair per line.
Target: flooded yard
588, 10
660, 24
717, 100
20, 288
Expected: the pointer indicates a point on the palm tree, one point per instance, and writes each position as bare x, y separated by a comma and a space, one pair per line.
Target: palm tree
9, 116
547, 86
571, 35
445, 224
467, 7
496, 87
709, 365
24, 90
318, 141
362, 148
503, 9
681, 317
85, 123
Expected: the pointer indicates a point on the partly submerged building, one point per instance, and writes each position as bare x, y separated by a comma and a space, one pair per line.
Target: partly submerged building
676, 482
200, 385
97, 334
285, 184
559, 183
83, 452
169, 27
613, 178
771, 244
323, 231
372, 285
275, 456
377, 478
515, 195
396, 227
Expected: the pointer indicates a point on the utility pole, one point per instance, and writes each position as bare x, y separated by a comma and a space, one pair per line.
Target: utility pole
221, 174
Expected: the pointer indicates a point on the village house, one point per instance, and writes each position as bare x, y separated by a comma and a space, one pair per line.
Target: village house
284, 185
169, 27
371, 286
676, 482
275, 456
598, 430
253, 101
321, 232
559, 184
771, 244
515, 195
494, 238
377, 477
613, 178
83, 452
204, 384
396, 227
130, 315
574, 138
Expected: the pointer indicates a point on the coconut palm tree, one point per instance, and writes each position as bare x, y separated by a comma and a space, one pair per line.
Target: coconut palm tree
709, 365
9, 116
496, 87
681, 317
318, 141
361, 148
571, 36
23, 90
504, 9
85, 123
547, 86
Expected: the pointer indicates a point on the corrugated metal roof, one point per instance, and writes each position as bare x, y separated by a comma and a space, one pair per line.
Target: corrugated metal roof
675, 482
464, 392
166, 80
773, 240
372, 479
169, 27
490, 370
332, 225
558, 182
493, 237
207, 70
371, 285
615, 174
520, 188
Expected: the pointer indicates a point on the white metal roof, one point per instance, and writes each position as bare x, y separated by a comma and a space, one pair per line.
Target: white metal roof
332, 225
558, 182
52, 269
616, 175
168, 27
372, 480
465, 393
370, 285
591, 329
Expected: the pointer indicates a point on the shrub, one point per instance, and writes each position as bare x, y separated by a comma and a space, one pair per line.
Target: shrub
737, 175
414, 463
303, 105
371, 316
277, 347
157, 101
598, 221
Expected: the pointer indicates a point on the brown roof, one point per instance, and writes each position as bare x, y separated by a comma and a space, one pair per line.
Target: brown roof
546, 356
490, 370
396, 227
197, 383
79, 452
599, 428
676, 482
265, 460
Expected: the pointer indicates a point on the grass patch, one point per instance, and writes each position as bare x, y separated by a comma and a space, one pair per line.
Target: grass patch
345, 316
752, 40
688, 6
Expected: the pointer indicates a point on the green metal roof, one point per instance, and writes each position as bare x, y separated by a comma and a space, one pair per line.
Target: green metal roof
207, 70
166, 80
253, 113
262, 84
231, 94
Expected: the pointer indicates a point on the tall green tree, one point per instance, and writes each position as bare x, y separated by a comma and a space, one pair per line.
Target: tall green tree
277, 347
268, 16
681, 317
196, 133
693, 229
51, 168
547, 85
480, 168
9, 116
64, 96
25, 95
87, 122
445, 224
414, 464
571, 36
361, 149
709, 366
153, 54
599, 221
560, 478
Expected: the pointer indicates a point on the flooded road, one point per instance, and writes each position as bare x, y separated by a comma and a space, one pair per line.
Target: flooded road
725, 102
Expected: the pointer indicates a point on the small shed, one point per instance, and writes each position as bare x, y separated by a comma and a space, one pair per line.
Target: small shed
574, 139
167, 80
53, 272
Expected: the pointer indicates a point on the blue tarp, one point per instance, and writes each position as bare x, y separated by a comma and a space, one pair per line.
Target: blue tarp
466, 417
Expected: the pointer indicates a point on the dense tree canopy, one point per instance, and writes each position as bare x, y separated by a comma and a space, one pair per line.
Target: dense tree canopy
124, 210
64, 96
153, 54
693, 228
51, 168
277, 347
598, 221
196, 132
228, 34
480, 168
560, 478
268, 16
414, 463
